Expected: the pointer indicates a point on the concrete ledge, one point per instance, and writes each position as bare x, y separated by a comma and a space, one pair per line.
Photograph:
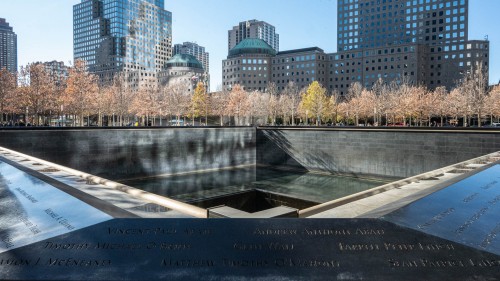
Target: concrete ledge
105, 188
397, 194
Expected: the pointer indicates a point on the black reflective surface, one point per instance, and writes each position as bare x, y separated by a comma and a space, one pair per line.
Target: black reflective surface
250, 249
467, 212
32, 210
309, 186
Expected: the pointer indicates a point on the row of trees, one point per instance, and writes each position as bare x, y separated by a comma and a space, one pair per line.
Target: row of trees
44, 98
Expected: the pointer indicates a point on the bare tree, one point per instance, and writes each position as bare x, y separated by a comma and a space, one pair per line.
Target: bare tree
439, 103
273, 103
36, 91
292, 101
178, 99
238, 104
493, 103
218, 104
7, 91
456, 105
474, 85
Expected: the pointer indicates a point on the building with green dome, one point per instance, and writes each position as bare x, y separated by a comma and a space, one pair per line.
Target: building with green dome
248, 64
253, 29
253, 64
186, 69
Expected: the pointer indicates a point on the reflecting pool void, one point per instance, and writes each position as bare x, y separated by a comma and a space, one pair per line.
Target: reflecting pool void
313, 187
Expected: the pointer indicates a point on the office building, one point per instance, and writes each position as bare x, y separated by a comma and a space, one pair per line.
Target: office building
254, 64
195, 50
254, 29
56, 70
249, 65
425, 41
123, 35
301, 66
8, 47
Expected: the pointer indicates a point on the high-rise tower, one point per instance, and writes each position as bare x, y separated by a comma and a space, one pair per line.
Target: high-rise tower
8, 47
190, 48
123, 35
424, 41
253, 29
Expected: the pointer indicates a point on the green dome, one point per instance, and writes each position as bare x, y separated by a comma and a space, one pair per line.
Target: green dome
252, 46
184, 60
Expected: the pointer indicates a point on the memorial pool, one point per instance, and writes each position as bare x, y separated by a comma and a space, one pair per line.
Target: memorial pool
307, 186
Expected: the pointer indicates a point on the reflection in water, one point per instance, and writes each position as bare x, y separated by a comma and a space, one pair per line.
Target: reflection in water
309, 186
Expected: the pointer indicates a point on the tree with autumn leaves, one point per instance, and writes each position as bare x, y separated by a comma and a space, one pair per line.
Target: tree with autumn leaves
199, 103
39, 96
81, 89
315, 103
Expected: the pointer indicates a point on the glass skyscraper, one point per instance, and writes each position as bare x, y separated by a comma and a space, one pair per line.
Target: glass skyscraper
123, 35
8, 47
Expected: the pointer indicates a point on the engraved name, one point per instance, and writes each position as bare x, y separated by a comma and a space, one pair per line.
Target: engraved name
70, 262
245, 263
26, 195
470, 198
259, 231
8, 241
484, 263
141, 231
15, 262
394, 247
67, 246
306, 263
436, 218
489, 185
188, 263
490, 237
426, 263
61, 220
274, 246
327, 232
471, 220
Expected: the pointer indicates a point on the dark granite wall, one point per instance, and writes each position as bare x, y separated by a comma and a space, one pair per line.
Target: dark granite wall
391, 152
126, 153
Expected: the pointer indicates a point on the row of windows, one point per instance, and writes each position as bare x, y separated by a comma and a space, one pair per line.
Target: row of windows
306, 65
296, 73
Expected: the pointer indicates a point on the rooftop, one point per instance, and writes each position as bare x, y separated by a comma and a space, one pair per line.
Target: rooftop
252, 46
184, 60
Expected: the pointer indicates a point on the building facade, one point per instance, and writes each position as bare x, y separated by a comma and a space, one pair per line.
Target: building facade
56, 70
253, 64
425, 41
253, 29
8, 47
249, 65
133, 36
186, 69
301, 66
195, 50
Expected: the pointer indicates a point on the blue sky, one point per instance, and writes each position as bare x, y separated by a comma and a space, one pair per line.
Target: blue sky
44, 27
